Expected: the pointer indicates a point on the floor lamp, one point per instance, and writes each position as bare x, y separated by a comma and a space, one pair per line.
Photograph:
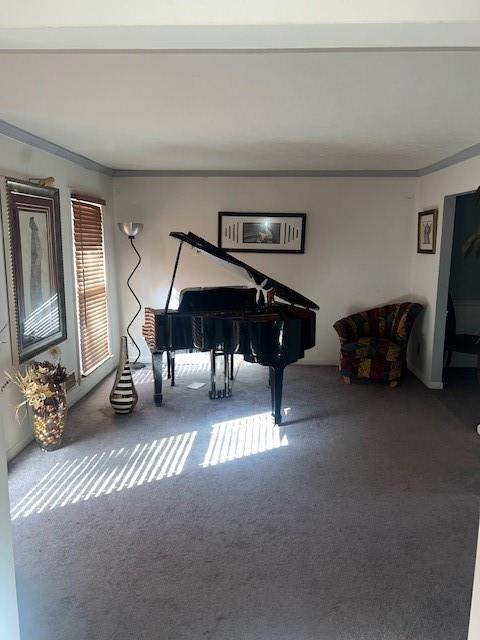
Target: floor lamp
132, 229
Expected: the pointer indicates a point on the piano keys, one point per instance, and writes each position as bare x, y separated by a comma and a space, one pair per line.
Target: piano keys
269, 324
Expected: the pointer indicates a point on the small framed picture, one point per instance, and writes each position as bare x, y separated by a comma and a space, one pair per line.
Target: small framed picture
262, 232
427, 231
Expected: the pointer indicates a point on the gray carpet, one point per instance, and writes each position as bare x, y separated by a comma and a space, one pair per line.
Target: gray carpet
461, 395
355, 520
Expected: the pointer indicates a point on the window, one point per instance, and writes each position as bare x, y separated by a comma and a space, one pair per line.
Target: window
91, 282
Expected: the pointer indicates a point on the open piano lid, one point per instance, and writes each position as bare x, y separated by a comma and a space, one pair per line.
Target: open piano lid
260, 279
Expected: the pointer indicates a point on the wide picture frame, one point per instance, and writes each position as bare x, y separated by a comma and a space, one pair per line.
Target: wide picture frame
261, 232
34, 239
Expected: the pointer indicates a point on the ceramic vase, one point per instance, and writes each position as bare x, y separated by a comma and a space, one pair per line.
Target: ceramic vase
48, 421
123, 396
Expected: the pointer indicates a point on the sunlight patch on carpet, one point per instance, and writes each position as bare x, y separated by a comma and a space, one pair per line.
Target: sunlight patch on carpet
242, 437
185, 365
145, 376
82, 479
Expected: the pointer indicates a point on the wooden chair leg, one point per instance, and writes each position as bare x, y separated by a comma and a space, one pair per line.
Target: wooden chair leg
347, 379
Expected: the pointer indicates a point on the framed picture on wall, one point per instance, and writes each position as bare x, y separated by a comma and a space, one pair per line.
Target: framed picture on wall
427, 231
36, 273
262, 232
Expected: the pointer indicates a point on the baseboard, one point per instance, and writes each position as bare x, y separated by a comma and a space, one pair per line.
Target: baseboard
88, 384
19, 446
431, 384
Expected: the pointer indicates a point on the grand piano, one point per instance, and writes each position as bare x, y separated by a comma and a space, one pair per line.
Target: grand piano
268, 323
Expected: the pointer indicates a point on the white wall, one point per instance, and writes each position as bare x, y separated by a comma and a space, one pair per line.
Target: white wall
8, 594
431, 192
23, 161
474, 625
357, 250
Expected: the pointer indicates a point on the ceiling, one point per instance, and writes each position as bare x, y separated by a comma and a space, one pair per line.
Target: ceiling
58, 13
337, 110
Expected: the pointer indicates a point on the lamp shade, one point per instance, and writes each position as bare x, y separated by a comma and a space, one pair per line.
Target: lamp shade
130, 229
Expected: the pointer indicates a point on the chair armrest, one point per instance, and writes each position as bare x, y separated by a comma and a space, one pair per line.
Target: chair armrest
352, 327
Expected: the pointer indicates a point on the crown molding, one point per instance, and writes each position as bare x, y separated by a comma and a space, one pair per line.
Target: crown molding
439, 35
11, 131
260, 173
21, 135
461, 156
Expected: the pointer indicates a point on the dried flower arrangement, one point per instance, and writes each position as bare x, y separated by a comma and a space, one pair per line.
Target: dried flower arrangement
41, 386
40, 383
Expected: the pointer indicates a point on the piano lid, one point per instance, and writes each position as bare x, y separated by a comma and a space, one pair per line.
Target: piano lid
261, 280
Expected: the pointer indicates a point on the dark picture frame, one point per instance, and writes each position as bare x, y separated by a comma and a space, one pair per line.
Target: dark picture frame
36, 267
261, 232
427, 231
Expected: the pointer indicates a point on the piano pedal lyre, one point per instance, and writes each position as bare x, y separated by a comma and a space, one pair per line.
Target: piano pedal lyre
216, 391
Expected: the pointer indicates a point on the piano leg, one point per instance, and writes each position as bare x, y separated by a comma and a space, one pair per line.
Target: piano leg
231, 366
271, 384
172, 367
213, 375
157, 362
276, 389
225, 392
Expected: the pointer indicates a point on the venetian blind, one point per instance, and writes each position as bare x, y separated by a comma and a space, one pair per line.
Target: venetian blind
91, 284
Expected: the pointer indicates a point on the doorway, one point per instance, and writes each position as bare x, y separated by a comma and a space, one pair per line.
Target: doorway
457, 327
463, 307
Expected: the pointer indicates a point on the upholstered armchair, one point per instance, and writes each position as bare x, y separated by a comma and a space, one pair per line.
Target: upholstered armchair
373, 343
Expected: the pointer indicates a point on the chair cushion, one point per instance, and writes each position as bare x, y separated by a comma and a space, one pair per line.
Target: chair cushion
369, 347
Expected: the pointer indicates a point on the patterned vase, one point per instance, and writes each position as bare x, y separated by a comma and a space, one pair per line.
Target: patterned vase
49, 421
123, 396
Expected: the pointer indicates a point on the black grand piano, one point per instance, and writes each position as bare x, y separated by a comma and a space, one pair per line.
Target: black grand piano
251, 321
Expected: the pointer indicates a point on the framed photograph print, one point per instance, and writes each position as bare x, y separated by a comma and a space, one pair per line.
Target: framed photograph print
36, 266
427, 231
262, 232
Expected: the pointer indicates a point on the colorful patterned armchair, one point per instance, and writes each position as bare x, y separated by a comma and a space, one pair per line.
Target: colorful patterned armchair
373, 343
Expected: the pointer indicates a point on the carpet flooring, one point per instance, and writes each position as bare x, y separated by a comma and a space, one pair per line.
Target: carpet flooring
461, 395
355, 520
